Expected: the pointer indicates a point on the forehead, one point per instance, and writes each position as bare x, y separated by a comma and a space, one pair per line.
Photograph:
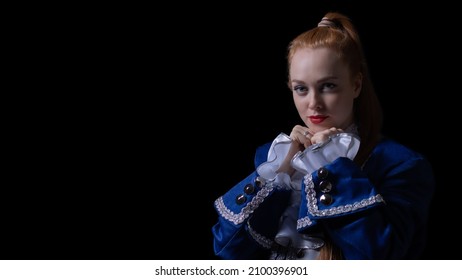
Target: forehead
317, 62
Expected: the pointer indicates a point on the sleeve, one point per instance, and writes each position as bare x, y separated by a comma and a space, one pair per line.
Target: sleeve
378, 215
232, 234
234, 209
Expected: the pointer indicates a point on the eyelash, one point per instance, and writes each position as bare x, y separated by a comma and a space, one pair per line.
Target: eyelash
324, 87
298, 89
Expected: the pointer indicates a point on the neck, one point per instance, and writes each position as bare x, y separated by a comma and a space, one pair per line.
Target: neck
352, 128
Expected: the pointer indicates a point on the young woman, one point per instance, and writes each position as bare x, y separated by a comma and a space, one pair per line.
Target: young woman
334, 188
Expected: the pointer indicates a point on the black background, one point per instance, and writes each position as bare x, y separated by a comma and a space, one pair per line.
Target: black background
155, 112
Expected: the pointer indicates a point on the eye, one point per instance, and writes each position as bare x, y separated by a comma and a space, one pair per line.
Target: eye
328, 87
300, 90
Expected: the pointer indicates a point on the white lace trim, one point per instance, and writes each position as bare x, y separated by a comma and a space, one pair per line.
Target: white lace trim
276, 154
239, 218
303, 222
318, 155
313, 207
262, 240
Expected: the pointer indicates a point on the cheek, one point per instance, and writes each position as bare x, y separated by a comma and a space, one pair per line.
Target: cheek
299, 102
338, 106
344, 107
296, 99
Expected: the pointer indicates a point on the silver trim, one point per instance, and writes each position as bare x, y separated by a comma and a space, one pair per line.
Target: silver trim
239, 218
303, 222
313, 207
262, 240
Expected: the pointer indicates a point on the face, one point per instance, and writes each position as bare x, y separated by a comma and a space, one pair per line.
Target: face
323, 89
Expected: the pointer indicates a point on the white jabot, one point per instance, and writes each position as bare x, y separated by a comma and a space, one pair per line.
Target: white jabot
278, 150
318, 155
344, 144
276, 154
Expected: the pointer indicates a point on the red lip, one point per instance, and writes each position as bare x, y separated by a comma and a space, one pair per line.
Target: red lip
317, 119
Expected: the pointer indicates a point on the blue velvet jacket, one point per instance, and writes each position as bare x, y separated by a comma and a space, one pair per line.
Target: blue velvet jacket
378, 211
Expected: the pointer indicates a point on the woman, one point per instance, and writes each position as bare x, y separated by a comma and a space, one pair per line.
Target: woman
334, 188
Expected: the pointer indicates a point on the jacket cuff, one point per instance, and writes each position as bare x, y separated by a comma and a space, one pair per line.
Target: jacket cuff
337, 189
241, 201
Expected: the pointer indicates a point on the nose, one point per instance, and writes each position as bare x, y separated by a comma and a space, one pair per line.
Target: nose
314, 100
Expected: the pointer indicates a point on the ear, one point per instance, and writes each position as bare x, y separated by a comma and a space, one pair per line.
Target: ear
358, 84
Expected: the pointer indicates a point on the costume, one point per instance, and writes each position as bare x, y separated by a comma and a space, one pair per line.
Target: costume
375, 211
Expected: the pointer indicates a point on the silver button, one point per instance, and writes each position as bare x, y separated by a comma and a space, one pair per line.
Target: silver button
325, 186
240, 199
249, 189
323, 173
326, 199
258, 182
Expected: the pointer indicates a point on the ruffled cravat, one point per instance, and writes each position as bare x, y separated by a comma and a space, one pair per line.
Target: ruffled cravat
290, 243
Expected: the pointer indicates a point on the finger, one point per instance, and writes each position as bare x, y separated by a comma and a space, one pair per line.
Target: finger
301, 138
307, 132
299, 130
324, 135
307, 143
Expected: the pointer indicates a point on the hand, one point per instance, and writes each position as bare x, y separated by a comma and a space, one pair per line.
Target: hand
324, 135
301, 136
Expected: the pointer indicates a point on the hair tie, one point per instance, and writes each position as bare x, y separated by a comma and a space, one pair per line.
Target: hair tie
326, 22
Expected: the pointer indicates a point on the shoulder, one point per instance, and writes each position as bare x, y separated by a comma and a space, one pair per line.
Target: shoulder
394, 164
391, 155
390, 148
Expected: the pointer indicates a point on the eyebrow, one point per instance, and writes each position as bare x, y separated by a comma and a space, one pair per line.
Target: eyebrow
320, 81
